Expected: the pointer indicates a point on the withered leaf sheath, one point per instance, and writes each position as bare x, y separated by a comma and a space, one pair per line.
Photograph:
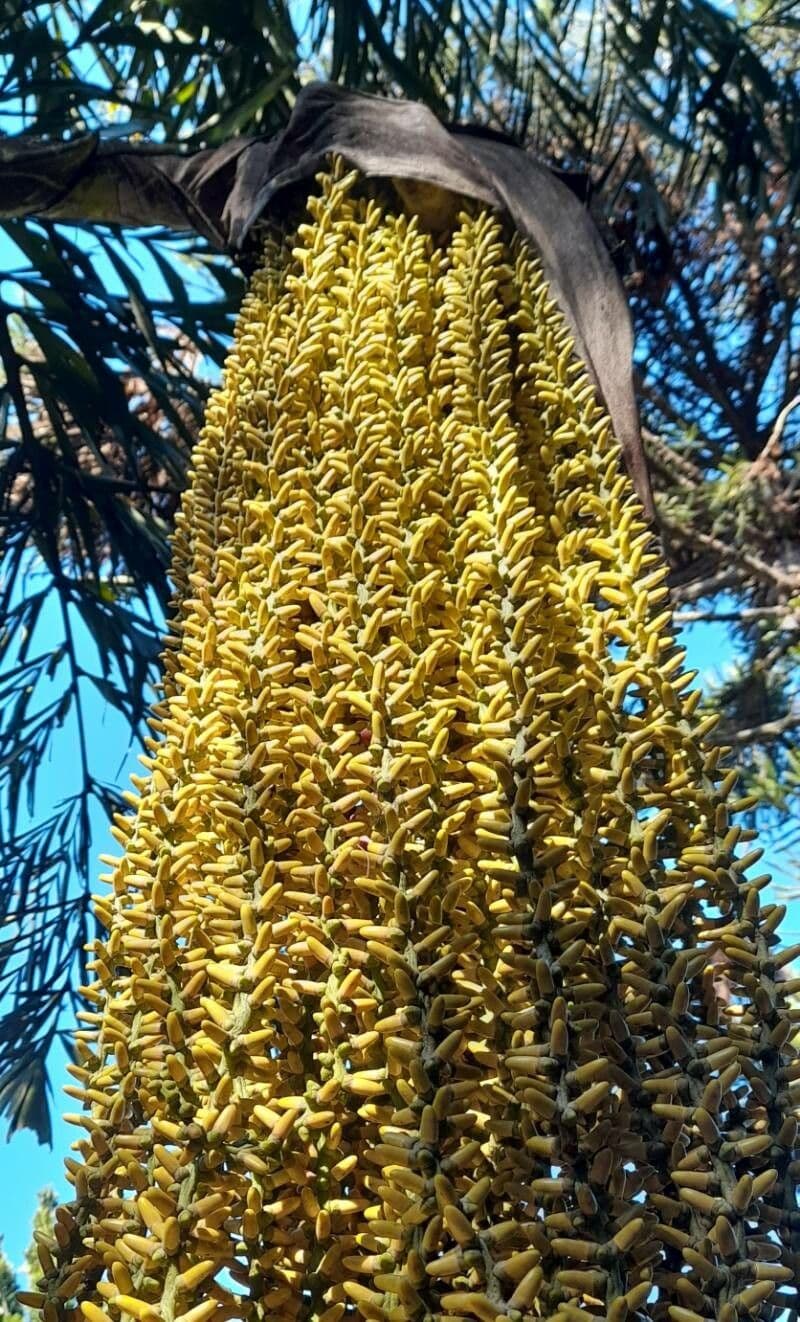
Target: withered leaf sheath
434, 986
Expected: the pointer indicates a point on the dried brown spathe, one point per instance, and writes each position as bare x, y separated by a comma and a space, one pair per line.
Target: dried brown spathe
223, 192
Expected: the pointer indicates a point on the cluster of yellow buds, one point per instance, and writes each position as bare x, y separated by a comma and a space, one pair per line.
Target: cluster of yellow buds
435, 987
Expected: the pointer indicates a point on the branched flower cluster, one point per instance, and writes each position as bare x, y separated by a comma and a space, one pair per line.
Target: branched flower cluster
435, 986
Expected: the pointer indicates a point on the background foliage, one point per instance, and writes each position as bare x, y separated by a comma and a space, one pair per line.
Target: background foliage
677, 124
11, 1310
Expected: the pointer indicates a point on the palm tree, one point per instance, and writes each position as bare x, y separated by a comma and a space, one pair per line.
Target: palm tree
673, 122
628, 1099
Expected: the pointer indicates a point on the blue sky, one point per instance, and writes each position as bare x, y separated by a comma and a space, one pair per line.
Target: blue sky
25, 1165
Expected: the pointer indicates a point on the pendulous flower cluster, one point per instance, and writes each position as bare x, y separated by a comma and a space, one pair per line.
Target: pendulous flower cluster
435, 986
